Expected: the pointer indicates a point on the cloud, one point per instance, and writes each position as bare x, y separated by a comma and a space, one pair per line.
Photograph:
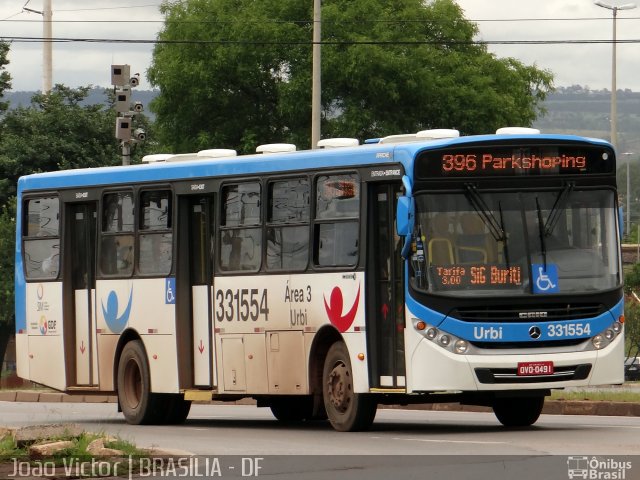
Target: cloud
77, 64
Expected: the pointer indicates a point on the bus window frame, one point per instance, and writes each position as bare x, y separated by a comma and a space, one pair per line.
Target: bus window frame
26, 198
222, 228
336, 220
269, 224
138, 217
133, 233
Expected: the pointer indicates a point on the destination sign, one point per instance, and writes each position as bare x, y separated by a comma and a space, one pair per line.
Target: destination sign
463, 277
530, 160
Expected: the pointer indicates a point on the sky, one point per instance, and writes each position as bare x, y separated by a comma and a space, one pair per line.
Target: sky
87, 63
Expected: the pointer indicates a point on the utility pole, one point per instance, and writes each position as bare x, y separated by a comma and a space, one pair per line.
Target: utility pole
47, 44
47, 48
316, 83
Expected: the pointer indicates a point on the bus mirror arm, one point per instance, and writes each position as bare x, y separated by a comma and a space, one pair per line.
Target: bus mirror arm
405, 216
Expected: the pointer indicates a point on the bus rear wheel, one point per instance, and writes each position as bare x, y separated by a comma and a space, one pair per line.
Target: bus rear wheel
347, 411
138, 404
518, 412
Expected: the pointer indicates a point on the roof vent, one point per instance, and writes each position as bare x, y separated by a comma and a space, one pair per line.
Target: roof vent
276, 148
517, 131
338, 142
156, 157
217, 153
183, 157
437, 134
401, 138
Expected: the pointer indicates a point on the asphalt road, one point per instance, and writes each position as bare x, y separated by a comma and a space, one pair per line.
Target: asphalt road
247, 430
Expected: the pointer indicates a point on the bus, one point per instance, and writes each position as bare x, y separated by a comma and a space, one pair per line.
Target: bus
420, 268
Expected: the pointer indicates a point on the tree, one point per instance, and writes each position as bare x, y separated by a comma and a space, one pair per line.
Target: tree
632, 311
388, 67
56, 132
7, 247
5, 78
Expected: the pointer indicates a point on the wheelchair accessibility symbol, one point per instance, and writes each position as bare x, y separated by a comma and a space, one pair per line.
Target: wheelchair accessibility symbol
169, 291
545, 280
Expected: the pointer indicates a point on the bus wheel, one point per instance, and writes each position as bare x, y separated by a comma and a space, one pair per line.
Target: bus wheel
138, 404
177, 409
293, 408
347, 411
518, 412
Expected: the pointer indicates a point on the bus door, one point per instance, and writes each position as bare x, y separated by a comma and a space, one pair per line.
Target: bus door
80, 269
385, 302
195, 273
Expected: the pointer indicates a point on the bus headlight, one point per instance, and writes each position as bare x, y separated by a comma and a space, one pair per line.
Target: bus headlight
598, 342
461, 346
442, 339
607, 336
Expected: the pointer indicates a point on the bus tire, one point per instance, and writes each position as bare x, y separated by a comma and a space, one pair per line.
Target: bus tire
177, 409
518, 412
294, 408
138, 404
347, 411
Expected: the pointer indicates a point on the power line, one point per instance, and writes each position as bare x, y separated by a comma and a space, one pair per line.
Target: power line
324, 42
106, 8
339, 22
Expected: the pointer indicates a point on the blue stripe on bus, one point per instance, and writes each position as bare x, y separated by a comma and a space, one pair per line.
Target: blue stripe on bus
20, 288
512, 332
260, 164
519, 332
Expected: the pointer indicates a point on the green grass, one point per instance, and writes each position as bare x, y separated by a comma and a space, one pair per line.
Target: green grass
596, 395
9, 448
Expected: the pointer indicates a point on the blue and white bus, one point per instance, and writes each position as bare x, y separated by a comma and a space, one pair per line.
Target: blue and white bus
417, 268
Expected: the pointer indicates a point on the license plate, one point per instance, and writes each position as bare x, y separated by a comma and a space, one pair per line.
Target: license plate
535, 368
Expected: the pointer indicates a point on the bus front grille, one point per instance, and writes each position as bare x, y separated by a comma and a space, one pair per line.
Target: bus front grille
527, 313
510, 375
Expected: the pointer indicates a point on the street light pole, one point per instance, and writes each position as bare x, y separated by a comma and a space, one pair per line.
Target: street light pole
614, 91
316, 88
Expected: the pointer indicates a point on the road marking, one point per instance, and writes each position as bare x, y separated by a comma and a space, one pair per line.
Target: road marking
427, 440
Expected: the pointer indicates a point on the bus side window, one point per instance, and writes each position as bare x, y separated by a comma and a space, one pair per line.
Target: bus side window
288, 224
241, 229
41, 238
155, 235
116, 243
336, 229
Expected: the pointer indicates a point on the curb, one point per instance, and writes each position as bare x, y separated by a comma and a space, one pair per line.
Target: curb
551, 407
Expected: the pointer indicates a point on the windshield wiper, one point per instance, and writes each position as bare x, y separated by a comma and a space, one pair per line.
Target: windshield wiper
496, 229
542, 233
505, 248
558, 206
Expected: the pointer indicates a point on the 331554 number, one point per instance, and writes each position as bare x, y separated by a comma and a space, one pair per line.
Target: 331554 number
242, 304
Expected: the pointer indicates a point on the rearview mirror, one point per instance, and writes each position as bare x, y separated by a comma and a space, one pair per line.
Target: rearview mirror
405, 214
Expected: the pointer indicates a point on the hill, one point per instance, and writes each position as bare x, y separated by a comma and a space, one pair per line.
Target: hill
96, 96
570, 110
579, 110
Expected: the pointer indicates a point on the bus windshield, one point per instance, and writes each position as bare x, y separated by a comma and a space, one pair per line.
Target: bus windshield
483, 242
